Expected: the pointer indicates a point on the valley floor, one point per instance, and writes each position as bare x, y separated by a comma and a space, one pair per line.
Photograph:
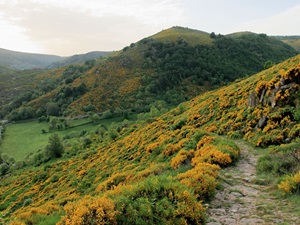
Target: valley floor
242, 201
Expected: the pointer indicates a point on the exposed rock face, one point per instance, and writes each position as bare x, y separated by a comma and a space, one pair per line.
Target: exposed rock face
262, 122
268, 95
262, 96
272, 97
252, 101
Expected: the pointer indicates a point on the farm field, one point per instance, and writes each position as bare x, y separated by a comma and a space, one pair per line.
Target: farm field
27, 138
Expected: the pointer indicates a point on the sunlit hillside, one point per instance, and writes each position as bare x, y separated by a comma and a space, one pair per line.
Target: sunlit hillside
160, 170
193, 37
293, 41
174, 65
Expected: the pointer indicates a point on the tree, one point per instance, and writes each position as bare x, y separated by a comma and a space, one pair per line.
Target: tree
52, 109
95, 118
26, 113
268, 64
53, 123
4, 168
54, 149
154, 112
213, 35
125, 115
107, 114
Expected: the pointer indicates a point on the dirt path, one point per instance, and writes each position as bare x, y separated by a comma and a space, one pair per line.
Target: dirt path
241, 201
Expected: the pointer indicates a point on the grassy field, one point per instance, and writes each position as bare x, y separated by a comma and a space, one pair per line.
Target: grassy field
22, 139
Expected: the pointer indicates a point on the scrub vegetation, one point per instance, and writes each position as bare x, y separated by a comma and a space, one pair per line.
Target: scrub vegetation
138, 159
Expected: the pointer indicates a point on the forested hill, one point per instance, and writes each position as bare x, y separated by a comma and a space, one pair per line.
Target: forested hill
173, 65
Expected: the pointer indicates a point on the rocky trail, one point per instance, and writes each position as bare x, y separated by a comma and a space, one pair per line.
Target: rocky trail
242, 201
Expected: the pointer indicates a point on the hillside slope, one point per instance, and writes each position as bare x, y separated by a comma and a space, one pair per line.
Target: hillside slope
80, 58
20, 60
19, 86
158, 171
173, 65
17, 83
293, 41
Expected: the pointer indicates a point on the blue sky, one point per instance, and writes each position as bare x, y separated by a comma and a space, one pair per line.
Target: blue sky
67, 27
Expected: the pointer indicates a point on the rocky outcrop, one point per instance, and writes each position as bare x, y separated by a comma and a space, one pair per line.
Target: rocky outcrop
262, 122
268, 95
252, 100
272, 97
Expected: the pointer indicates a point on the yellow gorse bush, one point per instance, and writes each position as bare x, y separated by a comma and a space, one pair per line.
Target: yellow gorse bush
291, 184
97, 210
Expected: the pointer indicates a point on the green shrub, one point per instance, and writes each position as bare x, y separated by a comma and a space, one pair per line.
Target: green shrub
287, 157
40, 177
275, 163
87, 142
4, 169
54, 178
179, 123
158, 200
51, 219
54, 149
27, 202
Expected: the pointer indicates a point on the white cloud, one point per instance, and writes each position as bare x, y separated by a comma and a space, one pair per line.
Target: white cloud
144, 10
67, 27
284, 23
73, 26
12, 37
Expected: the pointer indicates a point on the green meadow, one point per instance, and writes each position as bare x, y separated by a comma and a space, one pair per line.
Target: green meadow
26, 138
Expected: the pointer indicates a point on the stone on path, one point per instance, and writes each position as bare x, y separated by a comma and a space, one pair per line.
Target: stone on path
240, 201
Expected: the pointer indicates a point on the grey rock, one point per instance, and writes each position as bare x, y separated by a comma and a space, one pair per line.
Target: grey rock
237, 194
252, 101
262, 95
229, 221
262, 122
277, 220
247, 179
251, 221
218, 212
214, 223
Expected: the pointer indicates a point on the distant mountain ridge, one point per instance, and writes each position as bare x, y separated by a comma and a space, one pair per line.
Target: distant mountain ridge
22, 60
78, 58
293, 41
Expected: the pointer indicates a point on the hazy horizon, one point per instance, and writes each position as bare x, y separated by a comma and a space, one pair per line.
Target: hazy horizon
68, 27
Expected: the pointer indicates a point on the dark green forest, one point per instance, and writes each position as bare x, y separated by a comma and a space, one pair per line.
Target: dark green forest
172, 71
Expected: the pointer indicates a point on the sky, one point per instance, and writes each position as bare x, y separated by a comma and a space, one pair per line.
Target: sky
68, 27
